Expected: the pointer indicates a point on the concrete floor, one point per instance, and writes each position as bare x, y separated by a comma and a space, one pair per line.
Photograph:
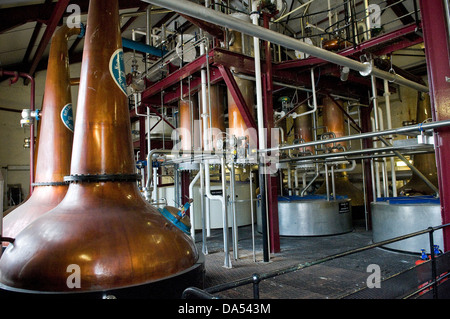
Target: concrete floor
332, 279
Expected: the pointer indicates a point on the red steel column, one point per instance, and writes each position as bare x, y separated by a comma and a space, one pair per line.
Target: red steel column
437, 56
272, 180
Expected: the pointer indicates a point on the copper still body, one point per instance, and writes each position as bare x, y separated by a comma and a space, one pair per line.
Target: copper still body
55, 140
425, 163
303, 127
103, 226
236, 123
188, 112
334, 121
216, 121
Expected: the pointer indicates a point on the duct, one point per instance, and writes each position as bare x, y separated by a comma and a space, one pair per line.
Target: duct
227, 21
117, 240
55, 140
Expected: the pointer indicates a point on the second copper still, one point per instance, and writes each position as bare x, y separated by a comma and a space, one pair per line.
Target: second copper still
55, 140
103, 230
334, 120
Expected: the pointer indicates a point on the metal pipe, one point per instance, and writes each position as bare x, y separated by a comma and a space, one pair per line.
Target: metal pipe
233, 211
400, 130
387, 98
259, 101
191, 195
227, 21
252, 214
222, 199
204, 215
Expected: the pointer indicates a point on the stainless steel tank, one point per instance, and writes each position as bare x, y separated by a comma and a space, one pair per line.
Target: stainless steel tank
398, 216
312, 216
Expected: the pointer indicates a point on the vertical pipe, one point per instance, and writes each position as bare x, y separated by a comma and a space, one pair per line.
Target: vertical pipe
251, 212
259, 101
191, 195
227, 262
261, 138
233, 210
387, 98
367, 18
203, 212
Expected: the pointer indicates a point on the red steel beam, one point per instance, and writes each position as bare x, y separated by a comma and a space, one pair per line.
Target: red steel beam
237, 96
175, 77
272, 181
377, 41
437, 56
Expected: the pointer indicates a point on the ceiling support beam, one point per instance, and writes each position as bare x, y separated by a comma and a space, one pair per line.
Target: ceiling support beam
57, 14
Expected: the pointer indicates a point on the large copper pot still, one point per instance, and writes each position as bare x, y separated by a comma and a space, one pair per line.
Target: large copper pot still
55, 140
425, 163
103, 226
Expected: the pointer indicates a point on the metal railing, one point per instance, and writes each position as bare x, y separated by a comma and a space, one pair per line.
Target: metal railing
255, 279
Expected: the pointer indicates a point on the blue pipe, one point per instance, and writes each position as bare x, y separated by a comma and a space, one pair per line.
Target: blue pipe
126, 43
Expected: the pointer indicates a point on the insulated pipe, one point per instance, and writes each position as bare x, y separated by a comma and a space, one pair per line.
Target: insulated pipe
222, 199
259, 100
200, 12
191, 195
138, 46
387, 97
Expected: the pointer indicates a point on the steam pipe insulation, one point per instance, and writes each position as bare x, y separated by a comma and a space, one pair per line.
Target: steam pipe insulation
194, 10
126, 43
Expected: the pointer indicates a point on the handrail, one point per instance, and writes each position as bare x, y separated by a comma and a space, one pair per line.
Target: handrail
255, 279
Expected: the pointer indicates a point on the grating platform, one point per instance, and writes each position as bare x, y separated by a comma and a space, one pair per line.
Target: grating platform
332, 279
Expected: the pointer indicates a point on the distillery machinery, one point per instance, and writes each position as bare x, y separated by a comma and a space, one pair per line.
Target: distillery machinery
120, 243
326, 162
220, 118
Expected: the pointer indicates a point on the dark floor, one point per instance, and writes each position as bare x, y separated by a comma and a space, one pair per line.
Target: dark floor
329, 280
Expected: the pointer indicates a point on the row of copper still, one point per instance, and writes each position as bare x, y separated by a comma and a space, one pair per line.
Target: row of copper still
103, 226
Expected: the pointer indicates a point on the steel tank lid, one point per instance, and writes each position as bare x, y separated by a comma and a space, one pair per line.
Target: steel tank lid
402, 200
309, 197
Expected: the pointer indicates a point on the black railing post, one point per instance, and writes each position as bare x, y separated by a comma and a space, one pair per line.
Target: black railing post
256, 280
433, 263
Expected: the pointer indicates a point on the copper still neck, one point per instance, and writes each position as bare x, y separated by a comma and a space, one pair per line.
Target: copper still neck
102, 140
